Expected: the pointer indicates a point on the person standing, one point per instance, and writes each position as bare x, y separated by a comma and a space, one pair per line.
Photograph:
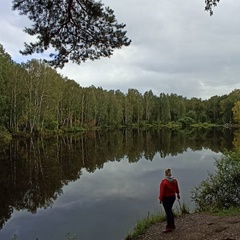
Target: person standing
167, 196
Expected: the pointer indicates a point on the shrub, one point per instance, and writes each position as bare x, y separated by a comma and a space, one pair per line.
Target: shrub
222, 189
186, 121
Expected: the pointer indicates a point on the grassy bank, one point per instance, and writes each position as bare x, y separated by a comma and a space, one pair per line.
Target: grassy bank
144, 224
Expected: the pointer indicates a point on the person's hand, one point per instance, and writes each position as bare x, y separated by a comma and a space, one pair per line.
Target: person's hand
178, 196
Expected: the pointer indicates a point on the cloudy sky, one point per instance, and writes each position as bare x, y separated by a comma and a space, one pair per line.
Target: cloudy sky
176, 48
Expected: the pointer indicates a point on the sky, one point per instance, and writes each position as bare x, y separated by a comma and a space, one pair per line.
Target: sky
176, 48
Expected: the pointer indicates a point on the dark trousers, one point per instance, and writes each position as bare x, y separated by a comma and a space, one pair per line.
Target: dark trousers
168, 204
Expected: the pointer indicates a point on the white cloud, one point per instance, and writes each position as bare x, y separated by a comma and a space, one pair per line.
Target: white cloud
176, 48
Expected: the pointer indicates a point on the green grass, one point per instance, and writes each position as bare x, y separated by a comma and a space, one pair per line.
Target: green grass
144, 224
232, 211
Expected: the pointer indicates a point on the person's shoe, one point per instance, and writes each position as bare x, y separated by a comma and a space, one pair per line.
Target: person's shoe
167, 230
173, 226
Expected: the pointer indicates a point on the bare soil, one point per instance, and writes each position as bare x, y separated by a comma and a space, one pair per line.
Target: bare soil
197, 226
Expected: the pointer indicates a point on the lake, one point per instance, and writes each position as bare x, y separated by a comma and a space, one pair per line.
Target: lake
99, 184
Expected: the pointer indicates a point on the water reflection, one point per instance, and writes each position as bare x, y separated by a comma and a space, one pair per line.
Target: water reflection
98, 184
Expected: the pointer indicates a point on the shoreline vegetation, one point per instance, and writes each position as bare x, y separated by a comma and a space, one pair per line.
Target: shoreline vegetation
144, 224
217, 195
6, 136
222, 224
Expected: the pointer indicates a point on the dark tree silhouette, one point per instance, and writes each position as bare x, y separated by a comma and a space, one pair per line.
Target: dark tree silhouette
75, 30
210, 4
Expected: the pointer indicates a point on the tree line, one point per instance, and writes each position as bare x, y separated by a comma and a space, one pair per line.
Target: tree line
34, 98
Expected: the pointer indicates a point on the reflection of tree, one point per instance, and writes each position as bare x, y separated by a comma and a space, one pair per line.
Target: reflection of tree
31, 179
236, 139
6, 196
33, 172
35, 183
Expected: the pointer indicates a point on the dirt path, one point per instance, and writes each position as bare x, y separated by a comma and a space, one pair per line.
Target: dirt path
197, 226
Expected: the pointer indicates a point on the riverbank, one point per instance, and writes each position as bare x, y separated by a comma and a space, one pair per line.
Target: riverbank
197, 226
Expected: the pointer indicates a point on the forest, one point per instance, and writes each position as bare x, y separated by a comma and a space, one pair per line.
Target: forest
35, 99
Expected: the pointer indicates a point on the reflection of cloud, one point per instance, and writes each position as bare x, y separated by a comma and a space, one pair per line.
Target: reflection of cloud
124, 180
69, 204
113, 197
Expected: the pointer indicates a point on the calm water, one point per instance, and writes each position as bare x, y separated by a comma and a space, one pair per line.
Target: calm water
97, 186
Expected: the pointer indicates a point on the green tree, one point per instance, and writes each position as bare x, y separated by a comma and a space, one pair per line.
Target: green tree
77, 29
148, 101
71, 104
213, 109
227, 104
127, 110
199, 108
191, 114
92, 99
5, 70
136, 103
96, 105
156, 109
236, 112
121, 101
177, 107
16, 98
165, 115
114, 109
40, 86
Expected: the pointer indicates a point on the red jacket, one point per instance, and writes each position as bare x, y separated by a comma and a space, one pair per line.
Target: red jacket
168, 189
